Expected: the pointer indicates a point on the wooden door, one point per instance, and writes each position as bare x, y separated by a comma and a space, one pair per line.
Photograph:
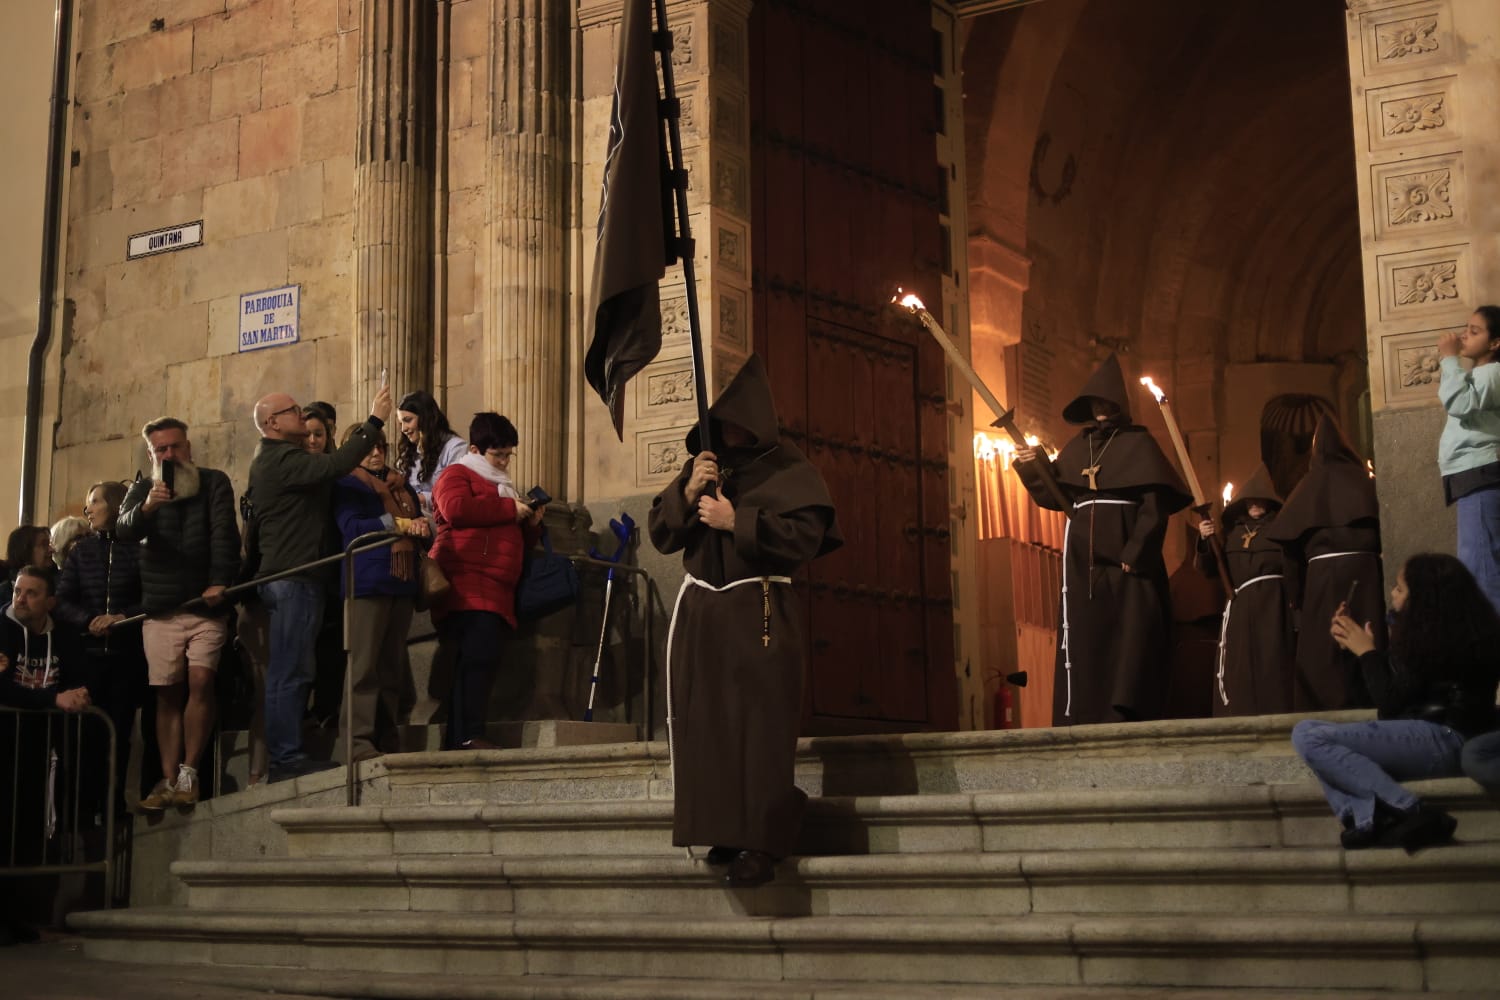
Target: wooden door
846, 209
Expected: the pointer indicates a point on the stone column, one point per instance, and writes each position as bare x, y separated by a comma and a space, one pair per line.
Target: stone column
393, 198
525, 327
1426, 137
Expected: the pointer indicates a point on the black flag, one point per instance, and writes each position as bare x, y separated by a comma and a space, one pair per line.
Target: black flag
631, 253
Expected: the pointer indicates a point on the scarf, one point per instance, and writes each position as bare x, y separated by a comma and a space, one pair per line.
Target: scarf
397, 503
481, 466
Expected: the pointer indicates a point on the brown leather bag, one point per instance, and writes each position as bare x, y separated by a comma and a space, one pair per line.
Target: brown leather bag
432, 585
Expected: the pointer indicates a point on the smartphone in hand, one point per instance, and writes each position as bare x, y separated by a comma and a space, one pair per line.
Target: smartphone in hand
169, 475
539, 497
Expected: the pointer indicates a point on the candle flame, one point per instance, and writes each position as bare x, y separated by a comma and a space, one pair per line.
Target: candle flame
1228, 493
990, 447
1370, 467
1146, 380
907, 301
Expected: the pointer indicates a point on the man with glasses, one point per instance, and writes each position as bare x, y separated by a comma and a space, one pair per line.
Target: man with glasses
293, 490
183, 519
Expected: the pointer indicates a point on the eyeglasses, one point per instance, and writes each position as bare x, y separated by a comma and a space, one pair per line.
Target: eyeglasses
294, 408
501, 452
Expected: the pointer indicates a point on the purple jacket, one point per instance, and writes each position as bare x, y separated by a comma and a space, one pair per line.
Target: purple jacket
358, 511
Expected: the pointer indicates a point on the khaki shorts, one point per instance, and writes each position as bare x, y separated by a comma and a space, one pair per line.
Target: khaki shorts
178, 641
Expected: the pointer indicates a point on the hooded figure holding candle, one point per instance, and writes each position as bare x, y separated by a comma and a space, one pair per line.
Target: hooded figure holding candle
1112, 655
1256, 641
1330, 528
736, 647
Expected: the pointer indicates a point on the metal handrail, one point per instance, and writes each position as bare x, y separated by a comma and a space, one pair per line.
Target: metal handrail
107, 865
298, 570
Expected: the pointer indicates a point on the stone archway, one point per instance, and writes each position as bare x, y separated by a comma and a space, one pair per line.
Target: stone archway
1171, 181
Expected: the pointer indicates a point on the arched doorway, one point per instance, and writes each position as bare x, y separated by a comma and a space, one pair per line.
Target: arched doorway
1174, 182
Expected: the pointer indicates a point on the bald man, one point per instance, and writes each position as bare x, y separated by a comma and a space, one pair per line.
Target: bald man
291, 489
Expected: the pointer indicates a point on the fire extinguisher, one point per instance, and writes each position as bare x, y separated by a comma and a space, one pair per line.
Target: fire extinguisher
1006, 711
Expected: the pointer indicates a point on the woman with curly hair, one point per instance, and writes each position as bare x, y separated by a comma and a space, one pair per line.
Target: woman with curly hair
1434, 687
428, 445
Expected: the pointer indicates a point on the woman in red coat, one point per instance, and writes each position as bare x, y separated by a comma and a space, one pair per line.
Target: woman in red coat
484, 529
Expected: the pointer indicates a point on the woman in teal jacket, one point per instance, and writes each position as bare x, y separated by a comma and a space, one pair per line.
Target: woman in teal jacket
1469, 450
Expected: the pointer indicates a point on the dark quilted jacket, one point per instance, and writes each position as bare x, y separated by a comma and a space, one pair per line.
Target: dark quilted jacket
187, 546
101, 576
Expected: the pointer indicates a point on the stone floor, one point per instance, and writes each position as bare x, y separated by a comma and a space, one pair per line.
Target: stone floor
55, 969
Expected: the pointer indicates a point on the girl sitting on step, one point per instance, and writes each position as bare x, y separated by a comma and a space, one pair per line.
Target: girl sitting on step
1433, 688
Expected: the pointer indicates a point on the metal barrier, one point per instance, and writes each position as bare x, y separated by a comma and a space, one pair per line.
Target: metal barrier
58, 855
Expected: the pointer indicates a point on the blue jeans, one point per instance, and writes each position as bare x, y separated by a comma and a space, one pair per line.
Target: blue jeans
296, 611
1479, 539
1481, 760
1360, 763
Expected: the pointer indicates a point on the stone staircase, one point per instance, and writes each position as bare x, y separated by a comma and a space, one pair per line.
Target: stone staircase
1182, 856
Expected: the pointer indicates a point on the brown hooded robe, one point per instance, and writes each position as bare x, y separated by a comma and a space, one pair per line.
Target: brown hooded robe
1112, 657
1257, 641
1330, 527
736, 656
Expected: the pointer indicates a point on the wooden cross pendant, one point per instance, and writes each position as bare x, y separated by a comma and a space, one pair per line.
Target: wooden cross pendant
1093, 474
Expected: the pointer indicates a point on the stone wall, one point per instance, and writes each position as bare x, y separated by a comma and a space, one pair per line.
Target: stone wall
241, 114
25, 80
1425, 83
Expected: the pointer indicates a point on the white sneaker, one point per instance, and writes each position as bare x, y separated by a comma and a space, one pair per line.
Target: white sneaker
186, 789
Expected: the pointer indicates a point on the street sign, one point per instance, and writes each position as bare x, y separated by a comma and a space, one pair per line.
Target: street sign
270, 318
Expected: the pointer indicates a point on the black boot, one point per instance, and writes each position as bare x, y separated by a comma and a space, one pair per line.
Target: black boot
1424, 826
750, 869
722, 855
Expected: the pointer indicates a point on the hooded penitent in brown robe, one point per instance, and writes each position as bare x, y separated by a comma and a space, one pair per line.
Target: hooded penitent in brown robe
736, 655
1112, 656
1330, 527
1256, 641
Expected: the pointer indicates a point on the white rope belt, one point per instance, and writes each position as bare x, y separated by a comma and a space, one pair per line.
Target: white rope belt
1339, 555
1224, 629
689, 580
1066, 629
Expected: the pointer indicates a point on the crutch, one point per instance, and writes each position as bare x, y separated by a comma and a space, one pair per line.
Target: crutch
622, 529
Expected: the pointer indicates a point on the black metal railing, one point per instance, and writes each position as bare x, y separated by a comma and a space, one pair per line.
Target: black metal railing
60, 819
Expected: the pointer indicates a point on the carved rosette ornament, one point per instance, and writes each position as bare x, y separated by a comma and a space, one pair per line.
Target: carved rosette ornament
1402, 39
1419, 367
1427, 284
1415, 198
1414, 114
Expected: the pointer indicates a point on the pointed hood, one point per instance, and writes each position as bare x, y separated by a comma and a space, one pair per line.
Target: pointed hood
1259, 487
1107, 383
1336, 492
745, 402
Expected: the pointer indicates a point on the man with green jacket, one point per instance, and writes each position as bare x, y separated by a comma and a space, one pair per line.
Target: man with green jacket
293, 491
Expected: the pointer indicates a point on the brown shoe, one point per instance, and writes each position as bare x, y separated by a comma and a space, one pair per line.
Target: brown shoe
161, 796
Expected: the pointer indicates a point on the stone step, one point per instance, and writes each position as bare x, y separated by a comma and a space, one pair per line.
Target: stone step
1455, 879
1208, 950
1191, 751
396, 986
1202, 816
